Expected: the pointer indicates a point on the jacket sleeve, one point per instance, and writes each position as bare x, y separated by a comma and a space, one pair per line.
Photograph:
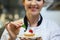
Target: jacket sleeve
5, 36
55, 33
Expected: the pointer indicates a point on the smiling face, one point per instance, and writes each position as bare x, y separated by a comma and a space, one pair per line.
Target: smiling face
33, 7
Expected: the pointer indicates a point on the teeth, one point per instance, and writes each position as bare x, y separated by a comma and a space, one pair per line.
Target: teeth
34, 7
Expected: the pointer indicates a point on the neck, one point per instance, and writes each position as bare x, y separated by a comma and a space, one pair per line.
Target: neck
32, 19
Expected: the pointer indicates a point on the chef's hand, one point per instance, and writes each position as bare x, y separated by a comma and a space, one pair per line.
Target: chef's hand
39, 38
25, 39
13, 29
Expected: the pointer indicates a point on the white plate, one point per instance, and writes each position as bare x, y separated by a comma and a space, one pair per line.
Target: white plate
32, 37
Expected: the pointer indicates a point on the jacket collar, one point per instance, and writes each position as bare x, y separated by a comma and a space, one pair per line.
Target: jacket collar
26, 21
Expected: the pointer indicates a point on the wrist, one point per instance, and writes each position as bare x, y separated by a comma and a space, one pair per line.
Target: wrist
12, 38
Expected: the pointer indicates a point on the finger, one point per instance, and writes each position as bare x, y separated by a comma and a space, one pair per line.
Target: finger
22, 38
39, 38
6, 24
19, 25
28, 39
9, 30
15, 25
18, 22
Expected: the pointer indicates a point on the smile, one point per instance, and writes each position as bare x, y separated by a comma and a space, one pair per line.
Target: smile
33, 8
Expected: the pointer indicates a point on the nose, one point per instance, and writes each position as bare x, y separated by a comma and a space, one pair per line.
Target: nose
33, 3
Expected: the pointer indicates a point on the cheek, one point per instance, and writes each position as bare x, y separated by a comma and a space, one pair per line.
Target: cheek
40, 4
26, 5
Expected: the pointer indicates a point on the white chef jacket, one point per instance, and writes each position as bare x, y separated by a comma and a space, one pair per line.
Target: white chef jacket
48, 30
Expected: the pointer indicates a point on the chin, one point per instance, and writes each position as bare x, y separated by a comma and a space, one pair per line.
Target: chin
34, 13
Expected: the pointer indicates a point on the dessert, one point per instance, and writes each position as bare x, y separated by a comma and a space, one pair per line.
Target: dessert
29, 33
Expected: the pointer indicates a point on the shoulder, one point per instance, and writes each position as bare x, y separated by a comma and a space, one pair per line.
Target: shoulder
51, 25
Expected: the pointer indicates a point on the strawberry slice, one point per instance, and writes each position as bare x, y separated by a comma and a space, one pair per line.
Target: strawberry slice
31, 31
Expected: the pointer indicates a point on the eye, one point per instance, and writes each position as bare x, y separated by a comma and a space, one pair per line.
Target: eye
29, 0
38, 0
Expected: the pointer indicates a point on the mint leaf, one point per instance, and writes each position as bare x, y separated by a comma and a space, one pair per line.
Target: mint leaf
23, 26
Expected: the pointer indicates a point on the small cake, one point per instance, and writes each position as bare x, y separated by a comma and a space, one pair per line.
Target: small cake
29, 33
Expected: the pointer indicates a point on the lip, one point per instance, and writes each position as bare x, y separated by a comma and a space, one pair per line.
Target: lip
33, 8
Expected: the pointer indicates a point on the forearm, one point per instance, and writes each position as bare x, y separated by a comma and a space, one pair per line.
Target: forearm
11, 38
